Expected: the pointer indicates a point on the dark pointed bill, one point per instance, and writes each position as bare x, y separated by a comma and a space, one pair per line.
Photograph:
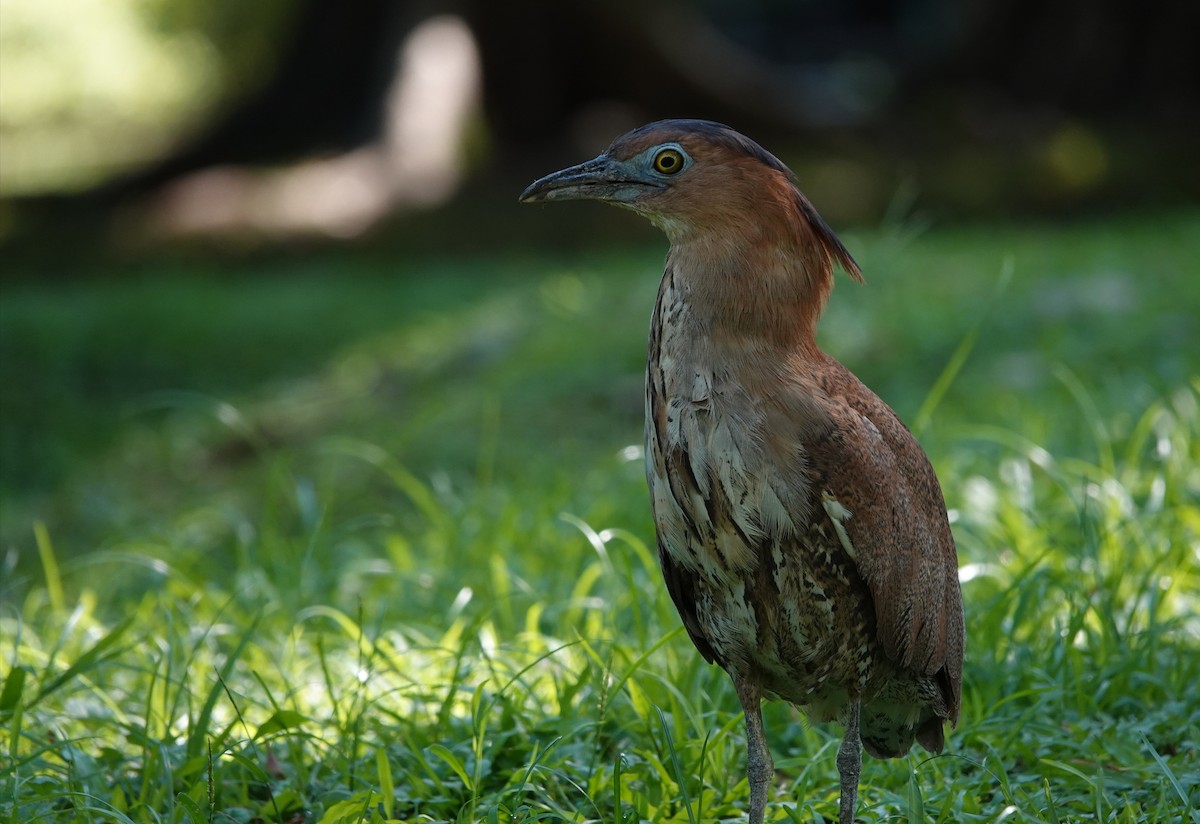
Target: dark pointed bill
601, 178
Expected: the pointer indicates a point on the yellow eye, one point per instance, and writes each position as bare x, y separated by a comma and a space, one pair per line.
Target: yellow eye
668, 161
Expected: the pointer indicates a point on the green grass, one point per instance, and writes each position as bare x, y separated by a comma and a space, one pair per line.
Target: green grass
356, 541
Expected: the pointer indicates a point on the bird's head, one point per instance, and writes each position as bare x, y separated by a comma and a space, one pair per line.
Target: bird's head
675, 172
696, 178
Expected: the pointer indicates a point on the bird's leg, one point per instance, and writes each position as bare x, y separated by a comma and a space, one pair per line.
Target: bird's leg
759, 766
849, 762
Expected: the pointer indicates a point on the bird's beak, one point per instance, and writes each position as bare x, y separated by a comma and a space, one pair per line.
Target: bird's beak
601, 178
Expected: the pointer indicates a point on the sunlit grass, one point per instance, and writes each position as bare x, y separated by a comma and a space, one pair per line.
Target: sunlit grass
417, 581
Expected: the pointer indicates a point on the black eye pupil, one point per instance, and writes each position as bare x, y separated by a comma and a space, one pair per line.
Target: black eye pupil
668, 162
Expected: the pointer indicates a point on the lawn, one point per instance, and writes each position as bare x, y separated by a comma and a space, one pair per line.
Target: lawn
347, 538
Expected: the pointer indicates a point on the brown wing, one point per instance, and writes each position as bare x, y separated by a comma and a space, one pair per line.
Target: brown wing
873, 466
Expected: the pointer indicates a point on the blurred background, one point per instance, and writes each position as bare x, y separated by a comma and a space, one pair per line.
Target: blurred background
132, 122
199, 199
307, 426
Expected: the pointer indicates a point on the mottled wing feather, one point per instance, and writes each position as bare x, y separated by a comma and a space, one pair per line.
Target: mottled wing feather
904, 550
681, 585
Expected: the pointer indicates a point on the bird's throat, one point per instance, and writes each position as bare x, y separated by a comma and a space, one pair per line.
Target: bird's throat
742, 296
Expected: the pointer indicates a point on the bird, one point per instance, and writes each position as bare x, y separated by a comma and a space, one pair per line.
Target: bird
801, 529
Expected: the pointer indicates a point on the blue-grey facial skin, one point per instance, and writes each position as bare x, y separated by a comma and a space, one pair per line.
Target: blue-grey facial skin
606, 178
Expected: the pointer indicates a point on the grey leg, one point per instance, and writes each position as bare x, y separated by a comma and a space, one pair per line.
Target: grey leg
759, 766
849, 761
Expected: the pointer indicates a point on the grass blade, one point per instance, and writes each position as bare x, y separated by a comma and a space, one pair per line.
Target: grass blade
54, 588
1168, 772
679, 777
959, 357
101, 651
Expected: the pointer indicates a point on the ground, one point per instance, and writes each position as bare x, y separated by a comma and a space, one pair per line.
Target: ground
348, 538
